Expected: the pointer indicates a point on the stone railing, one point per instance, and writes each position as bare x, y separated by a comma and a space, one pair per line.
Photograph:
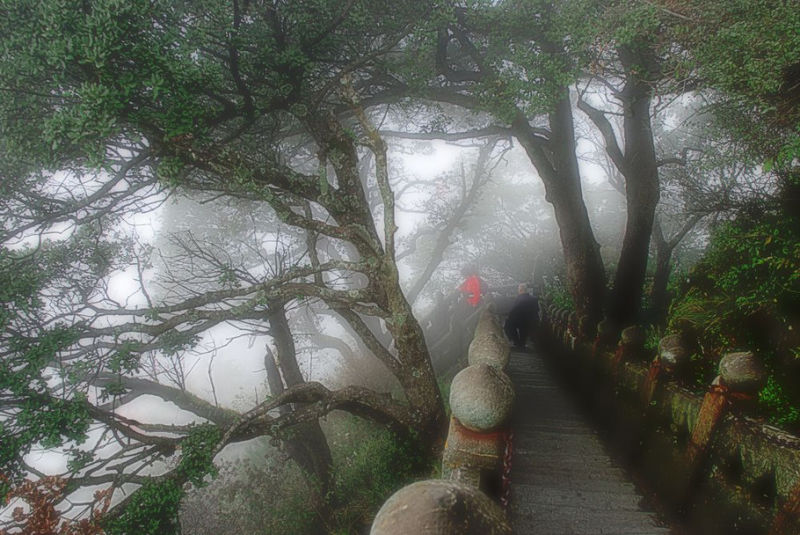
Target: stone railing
467, 498
721, 470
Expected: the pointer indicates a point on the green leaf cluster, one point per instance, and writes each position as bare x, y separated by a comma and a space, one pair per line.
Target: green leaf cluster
743, 295
38, 417
536, 49
153, 508
33, 284
198, 453
746, 50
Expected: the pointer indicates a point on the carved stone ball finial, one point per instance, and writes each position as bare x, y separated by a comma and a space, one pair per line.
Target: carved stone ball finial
481, 397
671, 351
440, 507
741, 372
487, 323
489, 348
633, 336
606, 331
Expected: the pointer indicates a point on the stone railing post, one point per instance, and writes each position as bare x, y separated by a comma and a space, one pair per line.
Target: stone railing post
739, 380
481, 400
440, 507
631, 345
604, 338
672, 356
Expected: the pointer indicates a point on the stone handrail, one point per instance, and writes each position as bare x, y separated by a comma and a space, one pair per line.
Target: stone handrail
723, 471
481, 399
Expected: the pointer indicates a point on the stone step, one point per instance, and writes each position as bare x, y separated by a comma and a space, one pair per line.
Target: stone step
562, 479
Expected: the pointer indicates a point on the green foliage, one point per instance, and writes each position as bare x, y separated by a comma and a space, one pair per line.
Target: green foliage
40, 418
631, 22
747, 50
269, 494
19, 288
744, 295
198, 453
163, 70
173, 341
653, 335
152, 510
753, 42
556, 292
264, 494
126, 358
750, 268
536, 49
369, 465
780, 409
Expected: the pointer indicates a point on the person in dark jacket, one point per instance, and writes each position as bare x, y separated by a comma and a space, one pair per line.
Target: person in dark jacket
522, 318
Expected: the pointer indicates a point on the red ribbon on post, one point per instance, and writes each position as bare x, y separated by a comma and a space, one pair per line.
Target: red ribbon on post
651, 381
716, 403
505, 478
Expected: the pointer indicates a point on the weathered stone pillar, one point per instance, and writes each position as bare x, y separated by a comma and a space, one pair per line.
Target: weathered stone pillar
672, 355
491, 349
481, 400
604, 338
739, 380
439, 507
631, 345
487, 324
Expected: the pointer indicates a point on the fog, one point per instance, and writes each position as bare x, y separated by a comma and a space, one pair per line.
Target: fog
189, 257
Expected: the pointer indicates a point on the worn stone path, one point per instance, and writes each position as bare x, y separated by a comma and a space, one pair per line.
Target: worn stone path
562, 480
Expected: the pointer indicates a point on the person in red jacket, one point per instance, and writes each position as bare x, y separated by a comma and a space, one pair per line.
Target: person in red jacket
472, 286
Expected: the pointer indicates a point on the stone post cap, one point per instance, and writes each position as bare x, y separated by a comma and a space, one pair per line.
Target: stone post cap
741, 372
606, 330
488, 348
605, 326
671, 351
440, 507
481, 397
633, 336
487, 323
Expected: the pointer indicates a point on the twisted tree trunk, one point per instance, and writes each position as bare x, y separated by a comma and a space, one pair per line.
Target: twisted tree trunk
305, 442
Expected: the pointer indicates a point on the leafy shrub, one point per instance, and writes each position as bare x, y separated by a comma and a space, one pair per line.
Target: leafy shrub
260, 495
267, 493
556, 292
744, 295
774, 401
369, 465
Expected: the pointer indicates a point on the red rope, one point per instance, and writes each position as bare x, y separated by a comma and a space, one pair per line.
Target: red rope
505, 496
